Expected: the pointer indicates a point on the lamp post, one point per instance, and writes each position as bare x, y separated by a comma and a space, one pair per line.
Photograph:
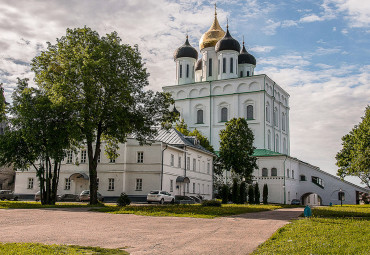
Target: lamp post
341, 196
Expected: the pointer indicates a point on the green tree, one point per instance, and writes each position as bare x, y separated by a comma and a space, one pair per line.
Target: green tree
101, 83
2, 103
354, 158
265, 194
251, 194
257, 194
225, 194
36, 137
183, 128
236, 148
242, 196
235, 191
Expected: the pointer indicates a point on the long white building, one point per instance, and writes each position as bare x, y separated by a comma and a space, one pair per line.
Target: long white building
220, 85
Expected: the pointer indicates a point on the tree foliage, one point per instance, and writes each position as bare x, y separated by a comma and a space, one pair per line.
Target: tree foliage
251, 194
101, 83
225, 194
36, 137
2, 103
236, 148
183, 129
265, 194
242, 192
354, 158
257, 194
235, 191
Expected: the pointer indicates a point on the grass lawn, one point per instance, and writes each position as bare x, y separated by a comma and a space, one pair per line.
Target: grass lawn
31, 205
332, 230
195, 211
36, 249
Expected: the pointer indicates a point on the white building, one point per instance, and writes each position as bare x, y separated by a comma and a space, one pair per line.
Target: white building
221, 85
174, 163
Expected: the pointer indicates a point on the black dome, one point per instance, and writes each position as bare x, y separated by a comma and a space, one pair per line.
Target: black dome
198, 65
186, 51
227, 43
245, 57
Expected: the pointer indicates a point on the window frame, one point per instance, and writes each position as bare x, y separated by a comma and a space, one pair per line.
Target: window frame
67, 184
210, 66
139, 184
140, 157
111, 184
224, 111
30, 183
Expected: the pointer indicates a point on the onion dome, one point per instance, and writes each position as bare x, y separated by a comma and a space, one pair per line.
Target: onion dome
246, 58
227, 43
198, 65
213, 35
186, 51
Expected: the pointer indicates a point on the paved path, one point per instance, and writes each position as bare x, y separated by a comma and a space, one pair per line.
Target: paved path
143, 235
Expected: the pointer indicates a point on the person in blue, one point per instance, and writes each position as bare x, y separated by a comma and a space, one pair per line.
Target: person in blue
307, 211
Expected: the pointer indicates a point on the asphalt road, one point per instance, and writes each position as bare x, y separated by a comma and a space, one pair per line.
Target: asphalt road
142, 234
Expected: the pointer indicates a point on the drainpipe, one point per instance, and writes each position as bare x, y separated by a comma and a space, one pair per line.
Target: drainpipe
162, 166
284, 187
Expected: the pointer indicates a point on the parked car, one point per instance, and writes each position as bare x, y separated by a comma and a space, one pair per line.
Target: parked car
8, 194
295, 202
160, 196
38, 196
69, 198
85, 196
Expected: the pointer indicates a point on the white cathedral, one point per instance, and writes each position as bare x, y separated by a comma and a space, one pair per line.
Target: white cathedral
221, 85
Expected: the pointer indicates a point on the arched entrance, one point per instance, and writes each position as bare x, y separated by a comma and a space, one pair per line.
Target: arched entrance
182, 182
311, 198
81, 181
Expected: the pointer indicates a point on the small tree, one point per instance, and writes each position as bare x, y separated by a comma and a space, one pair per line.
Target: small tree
257, 194
236, 148
243, 194
265, 193
123, 200
225, 194
251, 194
235, 192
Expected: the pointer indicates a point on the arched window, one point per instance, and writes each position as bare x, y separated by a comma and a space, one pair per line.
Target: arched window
224, 65
218, 67
223, 114
250, 112
180, 71
293, 174
273, 171
277, 143
187, 71
268, 112
269, 140
283, 122
231, 65
200, 117
288, 173
210, 67
264, 172
276, 117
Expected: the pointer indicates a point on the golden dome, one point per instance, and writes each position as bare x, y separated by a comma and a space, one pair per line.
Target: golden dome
212, 36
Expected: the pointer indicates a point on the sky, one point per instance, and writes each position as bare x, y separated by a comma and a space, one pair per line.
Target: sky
318, 51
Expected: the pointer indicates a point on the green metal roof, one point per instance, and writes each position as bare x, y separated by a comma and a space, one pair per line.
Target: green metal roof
260, 153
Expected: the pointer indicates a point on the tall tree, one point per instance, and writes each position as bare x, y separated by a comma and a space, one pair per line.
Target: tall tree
101, 82
265, 194
251, 194
36, 137
236, 148
243, 195
257, 194
2, 103
354, 158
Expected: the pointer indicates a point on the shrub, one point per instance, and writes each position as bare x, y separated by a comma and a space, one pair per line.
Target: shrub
235, 191
251, 194
212, 202
123, 200
225, 194
243, 194
265, 193
256, 194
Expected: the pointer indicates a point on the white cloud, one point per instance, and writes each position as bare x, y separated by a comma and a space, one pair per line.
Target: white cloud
285, 61
260, 48
310, 18
344, 31
357, 12
271, 26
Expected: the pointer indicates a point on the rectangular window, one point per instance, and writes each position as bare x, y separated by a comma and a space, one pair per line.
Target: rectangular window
69, 157
179, 163
112, 160
188, 163
171, 185
67, 184
208, 168
83, 156
140, 157
224, 65
199, 165
139, 184
210, 67
248, 73
172, 160
194, 164
30, 183
194, 187
231, 65
187, 71
110, 184
218, 67
241, 73
180, 71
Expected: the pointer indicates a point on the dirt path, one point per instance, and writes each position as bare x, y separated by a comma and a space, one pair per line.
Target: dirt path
143, 235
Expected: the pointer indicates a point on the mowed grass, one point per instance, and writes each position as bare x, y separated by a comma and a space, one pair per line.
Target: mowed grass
36, 249
195, 211
32, 205
331, 230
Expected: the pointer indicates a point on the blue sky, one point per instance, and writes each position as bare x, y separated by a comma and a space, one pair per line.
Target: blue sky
318, 51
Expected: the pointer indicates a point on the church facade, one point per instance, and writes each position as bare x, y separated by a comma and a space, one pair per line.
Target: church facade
221, 85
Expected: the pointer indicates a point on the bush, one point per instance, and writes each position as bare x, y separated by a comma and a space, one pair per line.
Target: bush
265, 193
257, 194
225, 194
251, 194
243, 194
235, 191
212, 202
123, 200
